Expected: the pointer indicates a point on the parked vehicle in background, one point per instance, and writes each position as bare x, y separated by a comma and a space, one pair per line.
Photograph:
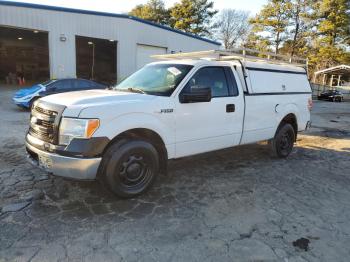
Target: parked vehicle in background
25, 97
168, 110
331, 95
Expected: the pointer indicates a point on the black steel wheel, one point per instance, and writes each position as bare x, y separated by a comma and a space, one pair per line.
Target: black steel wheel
283, 142
129, 167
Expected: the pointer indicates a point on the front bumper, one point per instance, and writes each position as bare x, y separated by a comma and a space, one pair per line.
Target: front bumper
20, 102
65, 166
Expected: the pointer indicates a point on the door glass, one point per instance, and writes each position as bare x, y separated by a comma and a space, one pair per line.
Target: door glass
64, 85
84, 84
56, 86
213, 77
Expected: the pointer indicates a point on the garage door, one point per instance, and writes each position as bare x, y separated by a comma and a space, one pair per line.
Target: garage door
145, 51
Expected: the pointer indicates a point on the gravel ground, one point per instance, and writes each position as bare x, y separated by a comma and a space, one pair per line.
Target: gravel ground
232, 205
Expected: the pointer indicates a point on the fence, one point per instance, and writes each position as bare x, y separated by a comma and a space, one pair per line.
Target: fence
318, 89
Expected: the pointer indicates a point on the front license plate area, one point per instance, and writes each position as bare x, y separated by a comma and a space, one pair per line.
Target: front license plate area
45, 162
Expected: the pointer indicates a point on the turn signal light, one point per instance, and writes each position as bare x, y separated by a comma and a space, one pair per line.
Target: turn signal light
92, 126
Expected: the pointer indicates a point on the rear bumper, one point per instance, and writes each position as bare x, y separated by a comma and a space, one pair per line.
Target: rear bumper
64, 166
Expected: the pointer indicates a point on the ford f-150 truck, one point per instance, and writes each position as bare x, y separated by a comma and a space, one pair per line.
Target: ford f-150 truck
167, 110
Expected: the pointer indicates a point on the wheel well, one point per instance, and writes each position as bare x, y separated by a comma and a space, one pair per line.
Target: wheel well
290, 119
149, 136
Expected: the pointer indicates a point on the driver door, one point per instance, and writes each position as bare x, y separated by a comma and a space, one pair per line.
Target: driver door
208, 126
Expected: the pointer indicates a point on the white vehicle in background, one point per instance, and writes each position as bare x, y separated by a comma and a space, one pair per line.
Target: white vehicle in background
188, 104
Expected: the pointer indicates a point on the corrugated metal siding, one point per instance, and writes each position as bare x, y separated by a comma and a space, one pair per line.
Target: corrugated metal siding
128, 33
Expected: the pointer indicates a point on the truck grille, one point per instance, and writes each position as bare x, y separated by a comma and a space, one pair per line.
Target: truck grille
44, 123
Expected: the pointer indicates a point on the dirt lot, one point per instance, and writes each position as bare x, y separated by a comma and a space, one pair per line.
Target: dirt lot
233, 205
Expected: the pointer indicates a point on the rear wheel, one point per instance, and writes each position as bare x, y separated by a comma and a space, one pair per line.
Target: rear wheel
283, 142
129, 167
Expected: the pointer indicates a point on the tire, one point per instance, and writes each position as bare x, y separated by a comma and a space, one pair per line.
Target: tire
129, 167
283, 142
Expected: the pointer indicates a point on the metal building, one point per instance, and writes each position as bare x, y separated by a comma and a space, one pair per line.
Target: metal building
334, 76
44, 41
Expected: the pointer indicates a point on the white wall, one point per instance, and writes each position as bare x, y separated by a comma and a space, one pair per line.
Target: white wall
128, 33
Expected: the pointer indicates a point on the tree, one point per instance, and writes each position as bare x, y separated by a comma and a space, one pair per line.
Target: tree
274, 20
232, 26
332, 33
300, 24
193, 16
257, 42
334, 21
153, 10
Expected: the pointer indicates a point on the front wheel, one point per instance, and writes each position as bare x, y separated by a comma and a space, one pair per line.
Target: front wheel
129, 167
283, 142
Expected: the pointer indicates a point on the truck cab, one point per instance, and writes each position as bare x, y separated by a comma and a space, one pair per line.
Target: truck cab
167, 110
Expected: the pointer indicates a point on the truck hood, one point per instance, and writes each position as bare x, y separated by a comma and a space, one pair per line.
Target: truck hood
94, 97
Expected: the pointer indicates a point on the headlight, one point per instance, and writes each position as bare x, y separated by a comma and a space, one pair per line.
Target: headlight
76, 128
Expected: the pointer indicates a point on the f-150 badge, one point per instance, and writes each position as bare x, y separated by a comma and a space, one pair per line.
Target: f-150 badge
166, 111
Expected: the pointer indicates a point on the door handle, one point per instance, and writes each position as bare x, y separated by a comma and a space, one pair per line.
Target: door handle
230, 108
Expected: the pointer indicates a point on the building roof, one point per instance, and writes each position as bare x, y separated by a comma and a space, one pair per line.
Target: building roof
88, 12
341, 70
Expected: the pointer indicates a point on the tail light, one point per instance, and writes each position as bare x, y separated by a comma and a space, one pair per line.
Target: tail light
310, 104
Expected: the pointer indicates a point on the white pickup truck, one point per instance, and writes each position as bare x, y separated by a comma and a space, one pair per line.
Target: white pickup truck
167, 110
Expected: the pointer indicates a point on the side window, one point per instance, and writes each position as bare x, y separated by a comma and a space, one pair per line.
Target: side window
60, 85
213, 77
67, 84
233, 88
96, 85
85, 84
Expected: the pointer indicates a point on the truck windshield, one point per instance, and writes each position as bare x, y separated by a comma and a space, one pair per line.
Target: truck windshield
156, 79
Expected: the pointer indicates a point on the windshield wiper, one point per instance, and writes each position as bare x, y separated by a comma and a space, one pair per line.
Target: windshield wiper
136, 90
131, 89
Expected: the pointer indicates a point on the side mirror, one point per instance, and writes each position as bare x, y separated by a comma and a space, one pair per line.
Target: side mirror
196, 95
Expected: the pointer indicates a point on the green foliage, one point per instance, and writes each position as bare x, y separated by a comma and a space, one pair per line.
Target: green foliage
334, 21
316, 29
192, 16
299, 28
273, 19
327, 56
332, 32
257, 42
153, 10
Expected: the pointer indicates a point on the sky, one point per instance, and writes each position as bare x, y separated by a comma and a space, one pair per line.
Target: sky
123, 6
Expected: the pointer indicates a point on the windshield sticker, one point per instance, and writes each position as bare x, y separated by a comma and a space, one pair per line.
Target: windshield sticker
174, 71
